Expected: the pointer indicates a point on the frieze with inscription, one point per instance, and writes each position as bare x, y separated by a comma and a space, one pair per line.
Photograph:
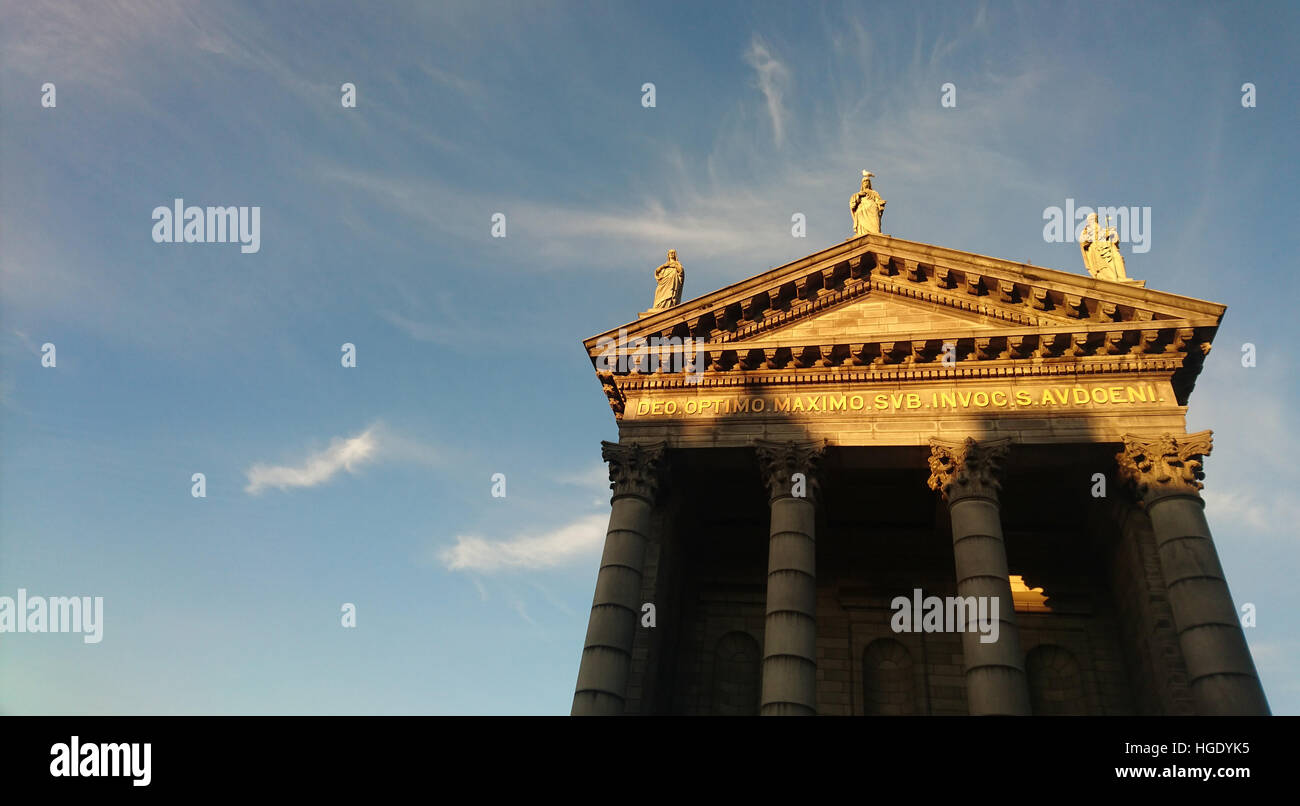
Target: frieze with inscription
939, 399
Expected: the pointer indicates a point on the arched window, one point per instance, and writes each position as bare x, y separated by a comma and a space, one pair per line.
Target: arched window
736, 673
889, 689
1055, 682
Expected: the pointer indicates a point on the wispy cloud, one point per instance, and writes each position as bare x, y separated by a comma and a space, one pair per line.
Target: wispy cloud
732, 205
701, 225
420, 331
518, 606
452, 80
437, 317
577, 539
342, 454
594, 478
551, 600
1248, 411
1252, 513
29, 345
773, 80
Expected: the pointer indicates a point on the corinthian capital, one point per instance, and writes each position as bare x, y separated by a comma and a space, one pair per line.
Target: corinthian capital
970, 468
634, 468
1164, 465
790, 468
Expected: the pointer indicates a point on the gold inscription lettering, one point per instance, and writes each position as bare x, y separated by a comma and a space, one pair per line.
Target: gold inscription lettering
902, 400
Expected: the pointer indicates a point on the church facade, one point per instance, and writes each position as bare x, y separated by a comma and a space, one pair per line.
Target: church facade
895, 478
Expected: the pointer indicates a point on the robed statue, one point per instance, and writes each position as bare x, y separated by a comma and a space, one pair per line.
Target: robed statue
866, 207
670, 277
1100, 249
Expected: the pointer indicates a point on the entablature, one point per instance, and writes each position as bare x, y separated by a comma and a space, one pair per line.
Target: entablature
1176, 351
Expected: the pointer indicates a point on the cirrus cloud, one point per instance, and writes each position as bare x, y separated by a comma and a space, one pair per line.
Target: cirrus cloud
773, 77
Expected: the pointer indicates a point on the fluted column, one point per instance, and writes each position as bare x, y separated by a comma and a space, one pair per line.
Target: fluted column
966, 475
634, 474
1166, 472
790, 634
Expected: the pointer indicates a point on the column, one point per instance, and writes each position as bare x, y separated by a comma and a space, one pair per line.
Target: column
1166, 472
967, 474
634, 474
790, 633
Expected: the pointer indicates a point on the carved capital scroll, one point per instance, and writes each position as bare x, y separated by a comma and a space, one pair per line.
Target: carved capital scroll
780, 461
634, 468
1165, 465
969, 468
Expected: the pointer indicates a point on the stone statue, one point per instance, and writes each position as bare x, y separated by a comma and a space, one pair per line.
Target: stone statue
670, 277
1100, 249
866, 208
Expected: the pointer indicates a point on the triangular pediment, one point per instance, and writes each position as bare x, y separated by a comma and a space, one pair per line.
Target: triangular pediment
895, 308
970, 289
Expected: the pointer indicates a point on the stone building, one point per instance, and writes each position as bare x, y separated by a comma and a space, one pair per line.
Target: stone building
884, 422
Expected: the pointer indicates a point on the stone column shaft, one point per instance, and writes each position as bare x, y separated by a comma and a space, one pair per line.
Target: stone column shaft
790, 635
1166, 472
966, 475
616, 608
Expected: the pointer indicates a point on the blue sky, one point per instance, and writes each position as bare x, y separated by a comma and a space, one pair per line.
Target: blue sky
174, 359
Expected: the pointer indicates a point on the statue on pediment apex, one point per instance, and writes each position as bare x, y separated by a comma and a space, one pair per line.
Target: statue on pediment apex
866, 207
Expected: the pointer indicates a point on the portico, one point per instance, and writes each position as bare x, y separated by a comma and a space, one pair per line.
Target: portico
884, 416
